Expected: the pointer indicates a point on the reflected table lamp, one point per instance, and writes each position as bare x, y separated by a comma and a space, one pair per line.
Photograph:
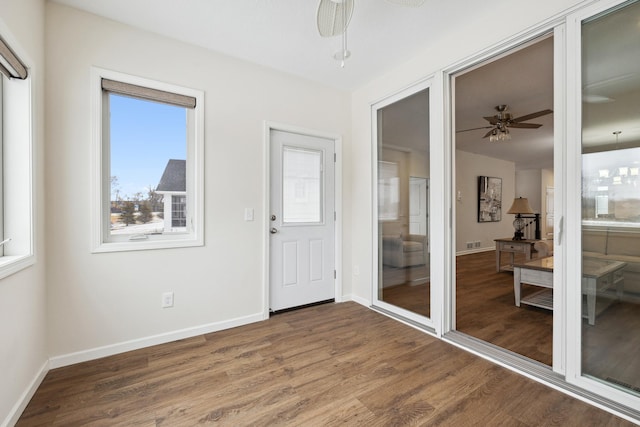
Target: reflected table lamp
519, 207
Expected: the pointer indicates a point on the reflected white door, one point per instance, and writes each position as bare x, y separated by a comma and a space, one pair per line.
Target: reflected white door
418, 197
302, 261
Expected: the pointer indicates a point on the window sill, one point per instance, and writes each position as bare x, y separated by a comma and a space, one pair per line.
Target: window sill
12, 264
147, 245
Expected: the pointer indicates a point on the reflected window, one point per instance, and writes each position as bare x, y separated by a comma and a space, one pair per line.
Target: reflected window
610, 279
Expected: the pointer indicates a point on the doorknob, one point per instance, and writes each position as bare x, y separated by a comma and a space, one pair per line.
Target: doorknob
273, 230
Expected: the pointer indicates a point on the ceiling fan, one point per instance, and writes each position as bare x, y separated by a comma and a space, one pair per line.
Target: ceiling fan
501, 122
333, 18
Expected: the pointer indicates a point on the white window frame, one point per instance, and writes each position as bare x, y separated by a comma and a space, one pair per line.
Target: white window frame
102, 240
573, 225
17, 192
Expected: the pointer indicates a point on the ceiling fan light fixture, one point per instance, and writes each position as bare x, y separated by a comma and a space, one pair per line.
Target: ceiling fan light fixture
500, 135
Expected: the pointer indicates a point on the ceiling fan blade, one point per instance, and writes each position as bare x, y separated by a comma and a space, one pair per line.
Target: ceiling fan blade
329, 17
467, 130
409, 3
493, 119
525, 125
531, 116
489, 133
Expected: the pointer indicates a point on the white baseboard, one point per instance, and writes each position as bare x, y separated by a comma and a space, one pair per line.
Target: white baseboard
110, 350
359, 300
475, 251
21, 404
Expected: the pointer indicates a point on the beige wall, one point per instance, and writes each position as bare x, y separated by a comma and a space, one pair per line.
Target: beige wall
113, 299
23, 352
469, 167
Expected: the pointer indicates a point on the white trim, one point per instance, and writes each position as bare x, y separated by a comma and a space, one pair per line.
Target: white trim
559, 361
195, 152
19, 123
358, 299
21, 404
573, 222
337, 140
420, 85
167, 337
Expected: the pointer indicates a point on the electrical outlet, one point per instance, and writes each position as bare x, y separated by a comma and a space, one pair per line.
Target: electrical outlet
469, 245
476, 244
167, 299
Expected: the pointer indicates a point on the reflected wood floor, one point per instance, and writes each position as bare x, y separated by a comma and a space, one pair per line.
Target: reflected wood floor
319, 366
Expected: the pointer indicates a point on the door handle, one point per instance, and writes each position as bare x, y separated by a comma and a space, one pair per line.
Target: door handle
273, 231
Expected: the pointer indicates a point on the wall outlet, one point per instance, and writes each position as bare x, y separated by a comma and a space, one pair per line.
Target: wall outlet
167, 299
476, 244
469, 245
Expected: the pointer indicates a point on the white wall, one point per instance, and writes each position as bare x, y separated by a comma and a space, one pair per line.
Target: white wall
529, 185
108, 299
23, 353
470, 32
469, 167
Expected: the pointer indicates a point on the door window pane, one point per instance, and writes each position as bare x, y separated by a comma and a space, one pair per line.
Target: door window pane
611, 198
403, 209
301, 186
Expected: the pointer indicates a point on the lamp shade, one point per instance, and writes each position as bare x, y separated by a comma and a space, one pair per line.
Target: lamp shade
520, 206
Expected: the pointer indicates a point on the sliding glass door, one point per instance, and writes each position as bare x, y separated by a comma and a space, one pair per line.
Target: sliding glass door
503, 160
402, 216
610, 208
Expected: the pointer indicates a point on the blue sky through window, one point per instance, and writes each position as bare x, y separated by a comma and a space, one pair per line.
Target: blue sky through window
144, 136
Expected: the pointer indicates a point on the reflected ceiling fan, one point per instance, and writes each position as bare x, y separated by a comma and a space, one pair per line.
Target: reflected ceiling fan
501, 122
333, 18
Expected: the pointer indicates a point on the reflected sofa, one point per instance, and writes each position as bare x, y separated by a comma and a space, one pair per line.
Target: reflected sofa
617, 244
404, 250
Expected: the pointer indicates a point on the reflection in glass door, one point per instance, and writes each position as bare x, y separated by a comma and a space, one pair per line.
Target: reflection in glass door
403, 209
611, 198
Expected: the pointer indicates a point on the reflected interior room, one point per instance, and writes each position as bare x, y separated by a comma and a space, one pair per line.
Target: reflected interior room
403, 204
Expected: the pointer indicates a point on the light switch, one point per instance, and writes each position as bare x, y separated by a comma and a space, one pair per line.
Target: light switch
248, 214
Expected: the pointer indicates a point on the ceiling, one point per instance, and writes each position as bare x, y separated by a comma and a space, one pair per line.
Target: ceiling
282, 34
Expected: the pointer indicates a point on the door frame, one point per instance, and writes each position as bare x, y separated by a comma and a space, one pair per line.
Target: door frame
556, 29
431, 324
266, 191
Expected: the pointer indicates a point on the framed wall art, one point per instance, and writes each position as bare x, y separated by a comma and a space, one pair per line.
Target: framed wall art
489, 199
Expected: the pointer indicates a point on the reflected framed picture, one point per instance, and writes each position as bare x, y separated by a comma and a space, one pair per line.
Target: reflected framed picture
489, 199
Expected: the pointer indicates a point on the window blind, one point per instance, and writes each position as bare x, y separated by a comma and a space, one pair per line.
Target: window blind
10, 64
149, 94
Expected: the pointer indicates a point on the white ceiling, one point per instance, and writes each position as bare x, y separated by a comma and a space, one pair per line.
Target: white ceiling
282, 34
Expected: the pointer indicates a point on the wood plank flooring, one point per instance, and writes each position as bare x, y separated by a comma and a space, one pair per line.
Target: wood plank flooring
486, 309
319, 366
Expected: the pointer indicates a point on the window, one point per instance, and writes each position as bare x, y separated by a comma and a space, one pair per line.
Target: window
178, 211
16, 176
148, 157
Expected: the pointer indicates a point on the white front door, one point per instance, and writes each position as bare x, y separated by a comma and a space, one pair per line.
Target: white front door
418, 199
302, 220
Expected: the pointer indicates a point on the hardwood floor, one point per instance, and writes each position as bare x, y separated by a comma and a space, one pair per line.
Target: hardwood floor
485, 309
319, 366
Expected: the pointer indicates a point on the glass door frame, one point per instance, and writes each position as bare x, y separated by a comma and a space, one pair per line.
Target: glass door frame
430, 324
555, 28
573, 225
